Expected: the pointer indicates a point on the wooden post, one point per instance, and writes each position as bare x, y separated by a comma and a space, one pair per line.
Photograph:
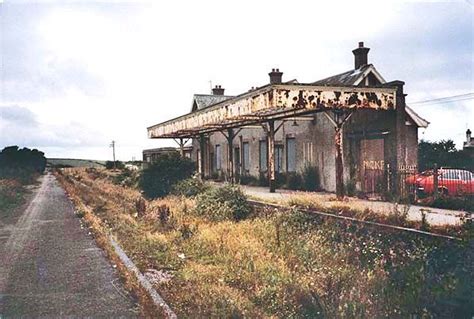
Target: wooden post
339, 164
271, 156
202, 146
230, 157
181, 147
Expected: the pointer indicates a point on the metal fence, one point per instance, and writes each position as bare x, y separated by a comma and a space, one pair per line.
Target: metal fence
406, 183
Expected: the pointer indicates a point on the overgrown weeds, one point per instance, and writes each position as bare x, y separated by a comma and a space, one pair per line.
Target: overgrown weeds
281, 263
223, 203
11, 194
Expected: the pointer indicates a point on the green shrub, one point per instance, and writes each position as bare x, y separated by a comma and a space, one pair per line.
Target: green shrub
351, 187
311, 181
158, 179
118, 165
21, 164
263, 179
247, 179
294, 181
223, 203
189, 187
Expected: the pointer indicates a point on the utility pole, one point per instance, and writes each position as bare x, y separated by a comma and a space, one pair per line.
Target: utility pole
113, 152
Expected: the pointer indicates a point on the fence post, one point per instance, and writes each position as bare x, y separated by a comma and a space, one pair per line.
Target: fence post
388, 179
435, 181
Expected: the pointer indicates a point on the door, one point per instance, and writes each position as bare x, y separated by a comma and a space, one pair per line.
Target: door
372, 166
237, 163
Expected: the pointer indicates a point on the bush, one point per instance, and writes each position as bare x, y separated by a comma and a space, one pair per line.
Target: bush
22, 164
118, 165
158, 179
351, 189
247, 179
189, 187
127, 178
263, 179
294, 181
223, 203
311, 180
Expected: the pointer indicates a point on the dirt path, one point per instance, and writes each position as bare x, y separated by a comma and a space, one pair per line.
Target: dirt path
51, 267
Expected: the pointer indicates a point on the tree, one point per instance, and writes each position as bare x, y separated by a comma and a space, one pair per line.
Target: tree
442, 153
16, 162
158, 179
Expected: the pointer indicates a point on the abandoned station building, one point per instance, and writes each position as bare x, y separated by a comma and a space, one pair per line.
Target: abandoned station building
342, 126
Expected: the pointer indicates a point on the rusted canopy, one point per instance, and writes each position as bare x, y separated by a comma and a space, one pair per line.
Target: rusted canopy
273, 102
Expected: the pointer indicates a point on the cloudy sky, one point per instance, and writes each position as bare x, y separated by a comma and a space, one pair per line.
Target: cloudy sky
77, 74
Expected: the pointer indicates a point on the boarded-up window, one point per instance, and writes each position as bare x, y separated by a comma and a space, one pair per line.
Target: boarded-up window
290, 155
263, 155
278, 158
246, 157
218, 157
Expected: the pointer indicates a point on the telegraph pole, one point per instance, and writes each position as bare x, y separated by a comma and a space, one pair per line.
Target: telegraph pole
113, 152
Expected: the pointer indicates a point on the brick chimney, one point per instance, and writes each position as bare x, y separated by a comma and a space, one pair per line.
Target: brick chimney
360, 55
218, 90
275, 76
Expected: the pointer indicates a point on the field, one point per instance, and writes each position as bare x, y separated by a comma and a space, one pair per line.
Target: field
284, 264
69, 162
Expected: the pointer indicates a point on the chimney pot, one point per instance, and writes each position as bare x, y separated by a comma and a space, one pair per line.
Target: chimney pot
275, 76
218, 90
360, 56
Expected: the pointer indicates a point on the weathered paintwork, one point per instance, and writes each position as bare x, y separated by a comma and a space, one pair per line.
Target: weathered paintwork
274, 102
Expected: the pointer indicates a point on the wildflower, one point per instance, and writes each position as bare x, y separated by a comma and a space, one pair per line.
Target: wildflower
181, 255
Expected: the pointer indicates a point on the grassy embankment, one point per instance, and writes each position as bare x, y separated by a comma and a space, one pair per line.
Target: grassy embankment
12, 194
277, 263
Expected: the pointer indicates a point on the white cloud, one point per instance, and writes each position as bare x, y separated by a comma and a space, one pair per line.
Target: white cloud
116, 68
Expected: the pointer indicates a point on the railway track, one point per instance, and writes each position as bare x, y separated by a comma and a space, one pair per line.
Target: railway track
373, 224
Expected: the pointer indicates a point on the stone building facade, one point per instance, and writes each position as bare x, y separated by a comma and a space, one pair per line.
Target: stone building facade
372, 139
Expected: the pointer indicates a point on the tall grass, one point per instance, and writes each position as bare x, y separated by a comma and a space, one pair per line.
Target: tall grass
283, 264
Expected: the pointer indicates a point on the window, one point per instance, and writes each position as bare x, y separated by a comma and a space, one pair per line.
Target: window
450, 174
308, 153
246, 157
466, 175
218, 157
278, 158
263, 155
290, 155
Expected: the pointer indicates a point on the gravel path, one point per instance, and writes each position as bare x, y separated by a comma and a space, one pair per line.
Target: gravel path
51, 267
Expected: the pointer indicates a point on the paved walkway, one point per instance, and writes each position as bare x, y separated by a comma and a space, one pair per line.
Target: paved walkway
434, 216
51, 267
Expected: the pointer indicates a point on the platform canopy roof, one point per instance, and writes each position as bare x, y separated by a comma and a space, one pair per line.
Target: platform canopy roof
274, 102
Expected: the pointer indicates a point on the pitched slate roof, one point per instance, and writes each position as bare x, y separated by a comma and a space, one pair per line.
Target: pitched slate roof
355, 77
346, 78
201, 101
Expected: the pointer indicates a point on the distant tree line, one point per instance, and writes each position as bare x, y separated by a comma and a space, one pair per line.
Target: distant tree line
21, 163
444, 154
